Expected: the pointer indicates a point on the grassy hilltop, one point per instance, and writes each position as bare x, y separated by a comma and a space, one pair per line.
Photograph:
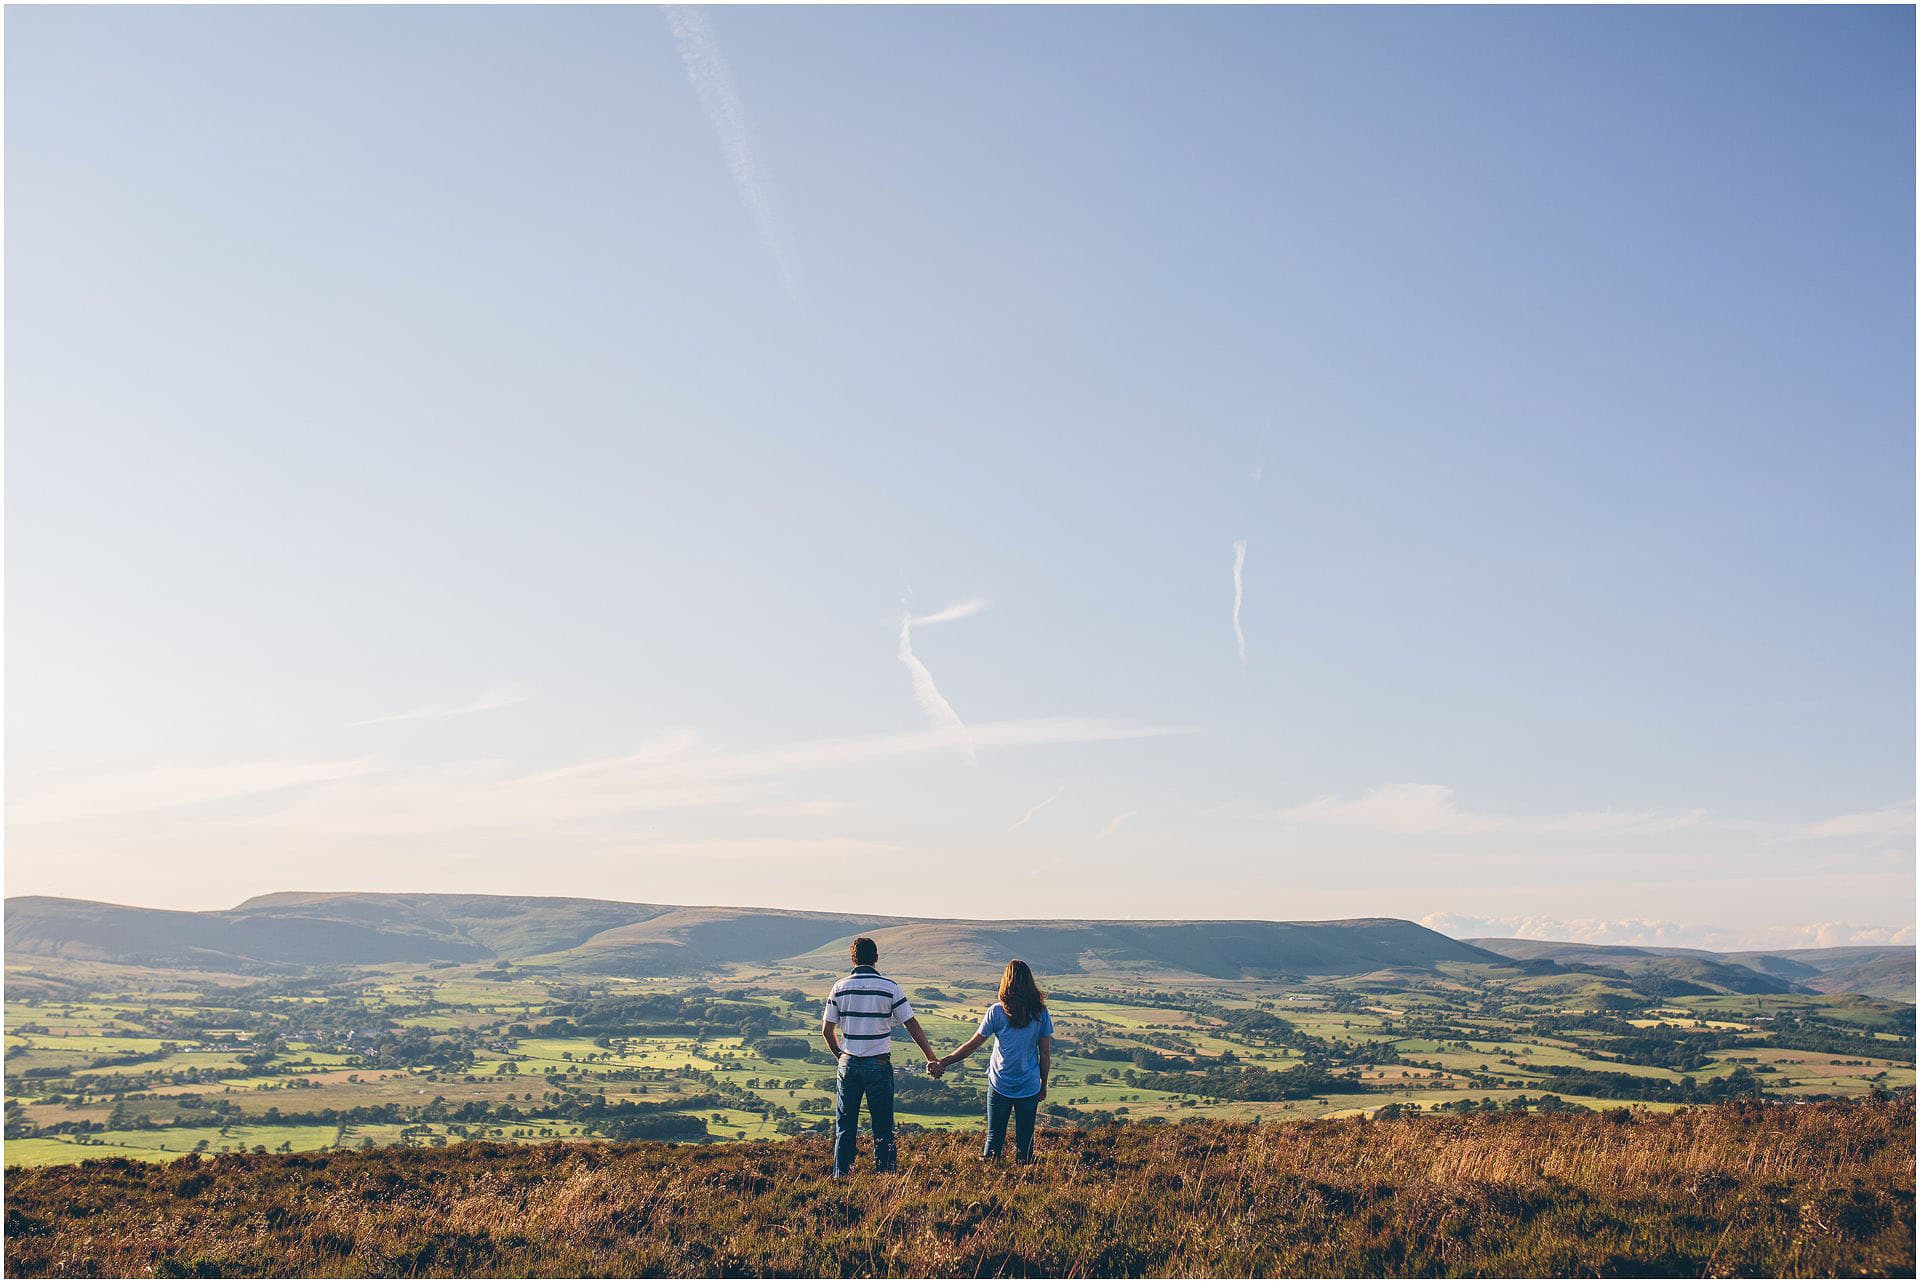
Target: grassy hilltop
1751, 1189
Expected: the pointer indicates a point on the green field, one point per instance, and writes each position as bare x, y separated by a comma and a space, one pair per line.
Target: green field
158, 1064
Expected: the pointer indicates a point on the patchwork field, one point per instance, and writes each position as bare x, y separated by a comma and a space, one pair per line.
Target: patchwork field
154, 1064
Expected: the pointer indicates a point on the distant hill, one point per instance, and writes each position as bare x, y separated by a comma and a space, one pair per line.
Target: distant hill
293, 930
1877, 971
304, 929
1218, 949
310, 929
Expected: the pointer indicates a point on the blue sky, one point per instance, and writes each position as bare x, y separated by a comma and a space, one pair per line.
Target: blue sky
495, 450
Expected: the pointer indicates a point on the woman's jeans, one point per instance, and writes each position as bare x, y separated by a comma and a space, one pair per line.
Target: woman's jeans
872, 1077
1023, 1108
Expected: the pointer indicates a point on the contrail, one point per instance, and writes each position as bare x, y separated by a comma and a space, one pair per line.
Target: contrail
1114, 825
1035, 809
959, 610
713, 85
1239, 565
925, 693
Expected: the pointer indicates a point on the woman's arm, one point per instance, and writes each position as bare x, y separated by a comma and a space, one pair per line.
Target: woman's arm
1046, 1062
964, 1050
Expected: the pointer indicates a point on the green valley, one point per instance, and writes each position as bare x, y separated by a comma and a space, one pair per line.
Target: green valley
154, 1038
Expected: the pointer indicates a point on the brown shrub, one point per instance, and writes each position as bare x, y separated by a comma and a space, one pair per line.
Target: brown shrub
1758, 1189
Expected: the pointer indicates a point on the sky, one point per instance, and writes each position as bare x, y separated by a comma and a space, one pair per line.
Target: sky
1230, 463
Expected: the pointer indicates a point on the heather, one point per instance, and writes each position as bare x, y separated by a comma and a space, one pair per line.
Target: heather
1749, 1188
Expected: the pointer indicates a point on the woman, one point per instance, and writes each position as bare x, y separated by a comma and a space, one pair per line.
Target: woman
1022, 1034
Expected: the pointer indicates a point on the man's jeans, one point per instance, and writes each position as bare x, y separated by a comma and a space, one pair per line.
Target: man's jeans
871, 1076
1023, 1109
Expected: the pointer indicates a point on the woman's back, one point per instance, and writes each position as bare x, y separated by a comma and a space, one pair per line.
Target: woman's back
1015, 1067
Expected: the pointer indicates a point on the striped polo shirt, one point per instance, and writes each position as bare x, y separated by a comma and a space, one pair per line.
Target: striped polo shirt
866, 1005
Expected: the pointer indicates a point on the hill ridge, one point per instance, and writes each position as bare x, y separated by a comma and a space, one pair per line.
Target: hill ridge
312, 928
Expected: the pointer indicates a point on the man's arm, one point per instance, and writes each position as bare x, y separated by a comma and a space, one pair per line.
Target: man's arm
1046, 1063
919, 1035
831, 1033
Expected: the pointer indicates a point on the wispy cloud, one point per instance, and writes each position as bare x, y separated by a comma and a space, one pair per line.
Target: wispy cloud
671, 773
925, 693
712, 82
767, 848
1431, 809
1035, 809
666, 762
500, 697
1239, 594
1894, 821
65, 796
812, 808
1114, 825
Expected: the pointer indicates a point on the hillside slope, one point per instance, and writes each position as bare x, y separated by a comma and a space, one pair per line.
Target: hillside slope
303, 929
1222, 950
1877, 971
1751, 1191
600, 937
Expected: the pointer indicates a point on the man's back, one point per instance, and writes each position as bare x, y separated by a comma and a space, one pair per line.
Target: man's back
858, 1026
866, 1006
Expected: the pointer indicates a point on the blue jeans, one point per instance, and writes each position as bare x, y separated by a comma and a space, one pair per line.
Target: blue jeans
871, 1076
1023, 1108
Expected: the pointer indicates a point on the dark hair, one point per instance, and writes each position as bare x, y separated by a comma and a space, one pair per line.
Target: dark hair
865, 952
1020, 997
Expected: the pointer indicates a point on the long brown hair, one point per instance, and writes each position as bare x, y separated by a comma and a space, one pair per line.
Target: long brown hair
1019, 995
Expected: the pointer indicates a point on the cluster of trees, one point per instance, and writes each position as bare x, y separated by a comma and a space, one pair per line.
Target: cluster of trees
1790, 1034
782, 1048
1741, 1084
1248, 1082
1547, 1104
683, 1014
656, 1127
919, 1095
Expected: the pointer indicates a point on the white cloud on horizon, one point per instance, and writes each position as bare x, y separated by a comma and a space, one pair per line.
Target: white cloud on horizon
499, 697
1431, 809
1658, 933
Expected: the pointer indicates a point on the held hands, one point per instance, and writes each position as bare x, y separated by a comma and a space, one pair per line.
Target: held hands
935, 1067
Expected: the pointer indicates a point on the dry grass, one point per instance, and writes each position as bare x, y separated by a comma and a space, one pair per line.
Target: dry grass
1819, 1190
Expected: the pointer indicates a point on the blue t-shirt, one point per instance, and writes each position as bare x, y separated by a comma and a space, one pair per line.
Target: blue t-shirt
1015, 1067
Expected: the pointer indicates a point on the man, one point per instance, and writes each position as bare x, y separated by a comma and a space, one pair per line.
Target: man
863, 1009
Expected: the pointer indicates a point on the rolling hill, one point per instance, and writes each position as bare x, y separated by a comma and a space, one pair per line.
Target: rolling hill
297, 930
1877, 971
304, 929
